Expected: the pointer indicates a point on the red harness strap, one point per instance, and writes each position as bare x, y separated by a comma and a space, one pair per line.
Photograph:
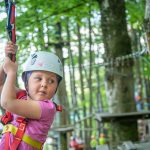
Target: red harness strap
58, 107
6, 118
21, 129
20, 132
7, 136
18, 136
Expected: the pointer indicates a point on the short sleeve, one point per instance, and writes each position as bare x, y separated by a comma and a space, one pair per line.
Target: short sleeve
48, 111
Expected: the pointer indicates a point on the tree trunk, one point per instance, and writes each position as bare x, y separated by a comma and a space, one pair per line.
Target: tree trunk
119, 77
62, 94
99, 100
40, 32
135, 38
81, 76
147, 23
90, 71
73, 90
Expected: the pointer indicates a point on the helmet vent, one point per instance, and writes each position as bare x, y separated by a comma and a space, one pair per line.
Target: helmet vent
34, 56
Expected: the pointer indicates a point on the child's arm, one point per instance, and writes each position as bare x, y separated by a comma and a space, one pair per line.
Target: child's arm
2, 75
26, 108
29, 108
9, 90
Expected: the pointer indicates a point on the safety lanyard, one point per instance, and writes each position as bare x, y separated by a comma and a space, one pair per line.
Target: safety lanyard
11, 27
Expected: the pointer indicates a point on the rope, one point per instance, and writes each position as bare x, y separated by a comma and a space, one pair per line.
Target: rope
117, 60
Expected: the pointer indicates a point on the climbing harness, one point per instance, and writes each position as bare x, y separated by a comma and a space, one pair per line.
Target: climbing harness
27, 139
19, 132
11, 26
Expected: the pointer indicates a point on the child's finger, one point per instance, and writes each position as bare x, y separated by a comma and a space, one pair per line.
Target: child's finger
15, 47
11, 52
11, 48
9, 42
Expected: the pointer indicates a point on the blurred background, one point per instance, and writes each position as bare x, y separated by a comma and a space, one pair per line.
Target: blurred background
104, 46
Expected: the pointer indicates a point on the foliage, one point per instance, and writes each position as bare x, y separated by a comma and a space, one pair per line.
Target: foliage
146, 62
36, 30
135, 12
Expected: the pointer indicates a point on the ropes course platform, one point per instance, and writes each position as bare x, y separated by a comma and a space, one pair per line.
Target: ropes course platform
128, 145
63, 128
109, 117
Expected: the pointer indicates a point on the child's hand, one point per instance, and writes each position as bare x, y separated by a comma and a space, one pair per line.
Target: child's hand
10, 66
10, 48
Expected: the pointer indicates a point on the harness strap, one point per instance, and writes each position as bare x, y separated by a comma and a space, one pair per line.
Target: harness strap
27, 139
7, 136
19, 133
6, 118
58, 107
18, 136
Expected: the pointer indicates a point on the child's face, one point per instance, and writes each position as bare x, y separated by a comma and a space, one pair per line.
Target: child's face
42, 85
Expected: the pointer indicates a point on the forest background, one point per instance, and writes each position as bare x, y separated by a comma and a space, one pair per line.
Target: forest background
104, 46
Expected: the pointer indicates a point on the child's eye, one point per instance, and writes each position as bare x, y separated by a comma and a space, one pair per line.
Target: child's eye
50, 81
37, 78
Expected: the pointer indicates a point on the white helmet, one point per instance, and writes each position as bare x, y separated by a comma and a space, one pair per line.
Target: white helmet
44, 61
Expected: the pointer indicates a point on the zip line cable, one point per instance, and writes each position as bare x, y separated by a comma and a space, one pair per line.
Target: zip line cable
117, 60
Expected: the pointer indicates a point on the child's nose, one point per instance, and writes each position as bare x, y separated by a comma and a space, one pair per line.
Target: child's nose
44, 84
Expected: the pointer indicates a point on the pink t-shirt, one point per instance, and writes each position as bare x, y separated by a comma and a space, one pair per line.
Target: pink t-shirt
36, 129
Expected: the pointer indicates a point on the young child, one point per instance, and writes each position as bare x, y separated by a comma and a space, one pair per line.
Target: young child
32, 110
